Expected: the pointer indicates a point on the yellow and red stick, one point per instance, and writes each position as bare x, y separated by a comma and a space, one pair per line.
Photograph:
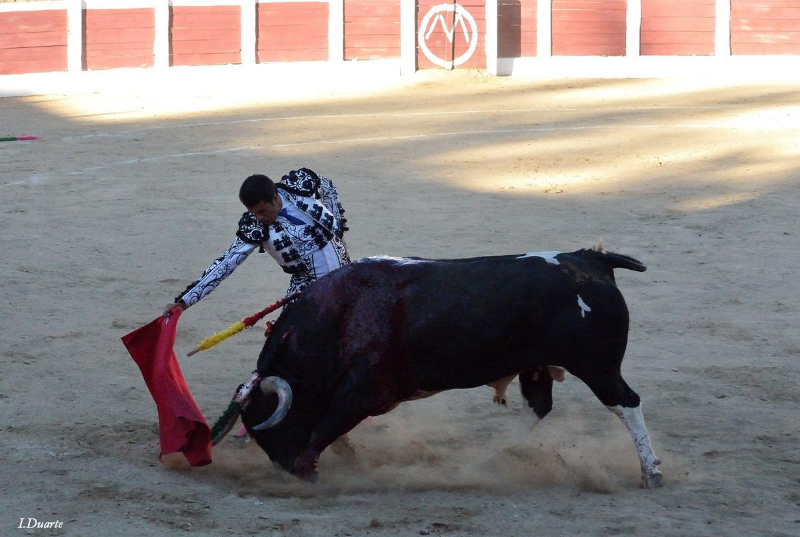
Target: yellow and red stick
238, 326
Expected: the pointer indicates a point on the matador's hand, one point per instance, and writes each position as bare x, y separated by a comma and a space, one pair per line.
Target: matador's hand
172, 305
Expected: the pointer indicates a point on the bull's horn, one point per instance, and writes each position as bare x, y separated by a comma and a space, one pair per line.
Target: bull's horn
281, 387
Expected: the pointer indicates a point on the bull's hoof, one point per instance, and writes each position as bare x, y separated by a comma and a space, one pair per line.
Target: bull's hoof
310, 477
499, 400
652, 481
305, 468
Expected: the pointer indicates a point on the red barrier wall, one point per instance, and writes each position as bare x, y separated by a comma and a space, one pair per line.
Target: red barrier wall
118, 38
292, 31
516, 28
678, 27
765, 27
588, 28
205, 35
33, 41
371, 29
438, 40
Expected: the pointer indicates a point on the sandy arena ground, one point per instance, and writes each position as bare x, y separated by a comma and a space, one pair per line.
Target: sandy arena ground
126, 198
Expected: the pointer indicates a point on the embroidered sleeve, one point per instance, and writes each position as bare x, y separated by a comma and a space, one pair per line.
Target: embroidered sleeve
221, 268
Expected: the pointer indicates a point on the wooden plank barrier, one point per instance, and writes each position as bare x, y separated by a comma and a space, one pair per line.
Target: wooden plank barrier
72, 35
589, 28
677, 27
371, 29
292, 32
33, 41
118, 38
765, 27
448, 35
205, 35
516, 28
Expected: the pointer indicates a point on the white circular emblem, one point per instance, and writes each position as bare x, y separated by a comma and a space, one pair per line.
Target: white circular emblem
436, 15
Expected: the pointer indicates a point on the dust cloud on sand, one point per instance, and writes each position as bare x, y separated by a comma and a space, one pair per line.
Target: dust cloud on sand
421, 449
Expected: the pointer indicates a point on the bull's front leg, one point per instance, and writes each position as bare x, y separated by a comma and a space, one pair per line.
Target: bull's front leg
327, 432
349, 407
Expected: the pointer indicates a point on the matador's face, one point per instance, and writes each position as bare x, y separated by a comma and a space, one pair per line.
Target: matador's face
267, 211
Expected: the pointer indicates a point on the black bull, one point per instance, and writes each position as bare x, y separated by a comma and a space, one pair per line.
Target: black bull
386, 330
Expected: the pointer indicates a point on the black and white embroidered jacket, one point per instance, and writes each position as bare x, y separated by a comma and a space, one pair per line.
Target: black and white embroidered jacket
306, 251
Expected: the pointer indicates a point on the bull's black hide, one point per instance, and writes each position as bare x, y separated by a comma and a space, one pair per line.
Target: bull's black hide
386, 330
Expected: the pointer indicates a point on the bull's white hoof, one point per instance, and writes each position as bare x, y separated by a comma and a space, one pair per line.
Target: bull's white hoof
652, 481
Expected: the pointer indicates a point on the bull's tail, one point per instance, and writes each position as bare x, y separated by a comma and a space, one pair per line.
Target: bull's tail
613, 261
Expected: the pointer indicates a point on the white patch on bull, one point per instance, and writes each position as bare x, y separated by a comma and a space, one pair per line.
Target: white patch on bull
583, 306
634, 421
400, 260
550, 257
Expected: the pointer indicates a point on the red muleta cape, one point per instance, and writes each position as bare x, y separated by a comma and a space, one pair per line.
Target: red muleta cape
181, 425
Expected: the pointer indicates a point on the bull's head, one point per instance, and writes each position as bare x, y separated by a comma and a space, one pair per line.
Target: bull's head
279, 427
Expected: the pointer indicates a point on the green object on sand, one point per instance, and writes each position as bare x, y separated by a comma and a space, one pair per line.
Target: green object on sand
16, 138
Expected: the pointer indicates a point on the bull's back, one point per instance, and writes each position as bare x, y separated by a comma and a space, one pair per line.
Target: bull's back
463, 323
442, 324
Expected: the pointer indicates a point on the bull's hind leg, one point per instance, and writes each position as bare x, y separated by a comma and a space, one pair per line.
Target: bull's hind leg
620, 399
537, 391
634, 421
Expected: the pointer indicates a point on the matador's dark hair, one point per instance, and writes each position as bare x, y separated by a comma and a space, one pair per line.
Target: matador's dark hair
255, 189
